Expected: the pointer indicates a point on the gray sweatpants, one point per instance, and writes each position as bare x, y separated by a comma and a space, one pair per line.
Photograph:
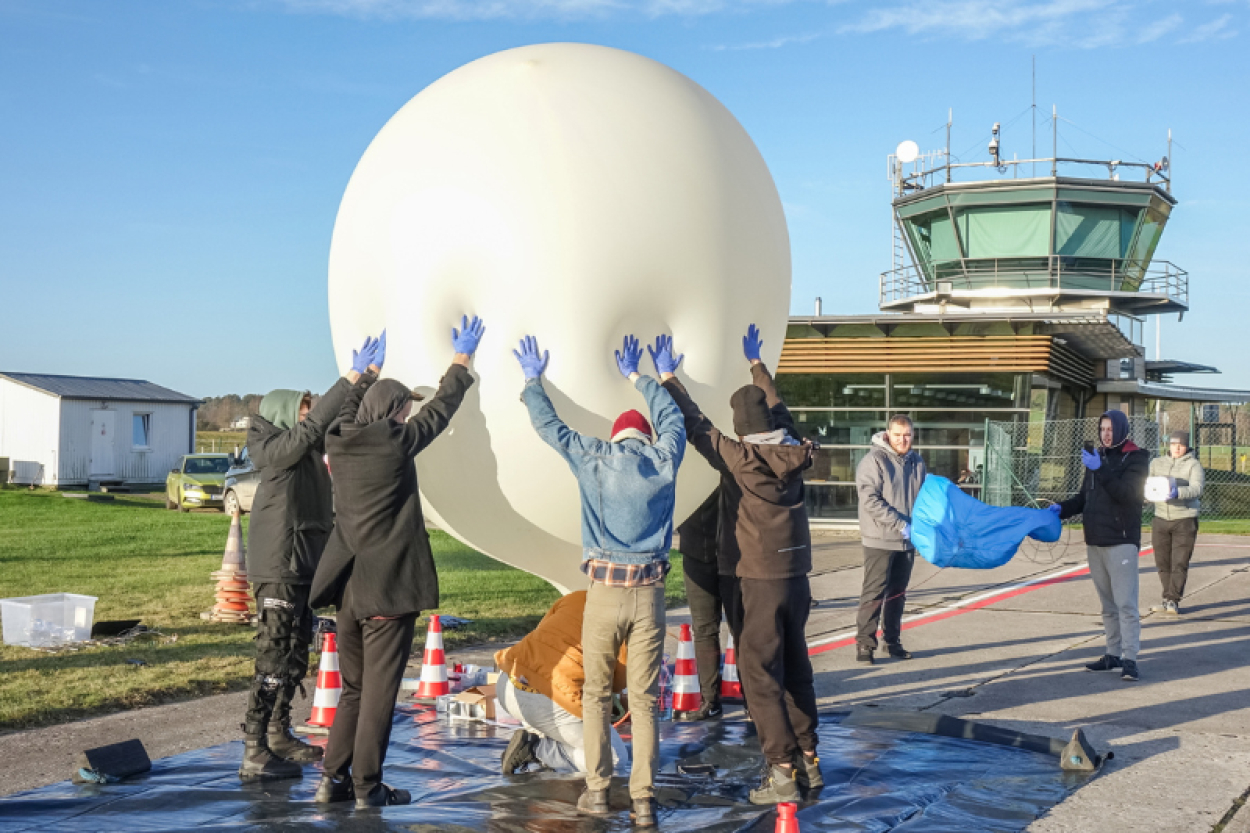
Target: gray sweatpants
1114, 571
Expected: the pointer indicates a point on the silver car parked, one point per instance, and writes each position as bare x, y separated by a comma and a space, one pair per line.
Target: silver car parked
240, 486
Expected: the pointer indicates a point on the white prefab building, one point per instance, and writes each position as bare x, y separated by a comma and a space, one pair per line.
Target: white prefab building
81, 431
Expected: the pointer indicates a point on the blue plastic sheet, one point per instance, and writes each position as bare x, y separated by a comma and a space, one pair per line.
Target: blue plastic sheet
876, 780
951, 528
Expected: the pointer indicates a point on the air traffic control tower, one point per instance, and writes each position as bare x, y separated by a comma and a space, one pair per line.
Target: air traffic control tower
1018, 293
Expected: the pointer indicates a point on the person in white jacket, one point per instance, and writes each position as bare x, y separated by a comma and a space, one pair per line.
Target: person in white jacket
1174, 530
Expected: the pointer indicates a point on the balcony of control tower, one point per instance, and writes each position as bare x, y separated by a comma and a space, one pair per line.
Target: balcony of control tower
1082, 239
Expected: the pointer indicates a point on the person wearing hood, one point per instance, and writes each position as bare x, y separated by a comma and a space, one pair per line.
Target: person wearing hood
1110, 503
628, 487
888, 481
773, 543
1174, 530
292, 514
378, 570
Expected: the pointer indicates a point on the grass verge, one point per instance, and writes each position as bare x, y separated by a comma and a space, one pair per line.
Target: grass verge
143, 562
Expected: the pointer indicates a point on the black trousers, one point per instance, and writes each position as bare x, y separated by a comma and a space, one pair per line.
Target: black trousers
283, 636
1174, 546
884, 596
703, 595
731, 604
775, 667
372, 656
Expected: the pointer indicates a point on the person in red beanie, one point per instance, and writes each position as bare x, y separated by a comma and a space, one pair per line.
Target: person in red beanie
627, 487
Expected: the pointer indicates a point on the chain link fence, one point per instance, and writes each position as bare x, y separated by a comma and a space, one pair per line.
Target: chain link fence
1034, 463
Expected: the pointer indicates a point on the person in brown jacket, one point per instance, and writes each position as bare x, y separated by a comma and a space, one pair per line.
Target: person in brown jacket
774, 557
540, 684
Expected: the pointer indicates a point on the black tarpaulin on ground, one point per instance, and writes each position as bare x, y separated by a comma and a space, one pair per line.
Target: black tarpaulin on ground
877, 780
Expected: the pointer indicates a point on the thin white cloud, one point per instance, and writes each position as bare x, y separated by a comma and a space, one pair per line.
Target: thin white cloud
1217, 29
775, 43
1082, 24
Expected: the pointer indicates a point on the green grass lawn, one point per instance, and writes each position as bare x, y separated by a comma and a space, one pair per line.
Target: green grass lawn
144, 562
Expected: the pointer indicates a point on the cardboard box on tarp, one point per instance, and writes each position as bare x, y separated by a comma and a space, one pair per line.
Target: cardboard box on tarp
476, 703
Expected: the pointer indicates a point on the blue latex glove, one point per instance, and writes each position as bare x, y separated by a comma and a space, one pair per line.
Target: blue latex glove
362, 358
532, 363
906, 527
628, 357
465, 340
1055, 508
1091, 459
1173, 491
379, 354
662, 355
751, 343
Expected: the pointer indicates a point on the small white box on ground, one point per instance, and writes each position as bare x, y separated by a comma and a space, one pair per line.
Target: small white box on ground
47, 620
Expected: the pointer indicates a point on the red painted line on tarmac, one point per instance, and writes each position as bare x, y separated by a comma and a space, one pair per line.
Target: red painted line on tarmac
846, 640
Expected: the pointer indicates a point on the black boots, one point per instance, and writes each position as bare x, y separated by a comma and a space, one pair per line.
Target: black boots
330, 791
288, 747
259, 764
594, 802
863, 654
383, 796
520, 752
778, 785
642, 812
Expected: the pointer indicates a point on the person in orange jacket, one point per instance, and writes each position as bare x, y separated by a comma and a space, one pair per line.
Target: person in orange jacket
540, 684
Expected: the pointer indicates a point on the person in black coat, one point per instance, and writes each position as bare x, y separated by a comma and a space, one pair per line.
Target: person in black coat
1110, 503
378, 569
291, 519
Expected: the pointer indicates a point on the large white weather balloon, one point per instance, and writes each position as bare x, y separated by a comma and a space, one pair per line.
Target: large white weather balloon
578, 193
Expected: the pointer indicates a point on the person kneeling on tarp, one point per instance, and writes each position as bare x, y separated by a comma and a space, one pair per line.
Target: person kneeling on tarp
540, 684
377, 568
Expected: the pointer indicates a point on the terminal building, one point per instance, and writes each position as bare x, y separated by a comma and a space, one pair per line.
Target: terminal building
1011, 299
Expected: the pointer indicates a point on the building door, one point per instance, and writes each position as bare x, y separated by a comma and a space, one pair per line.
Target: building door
102, 443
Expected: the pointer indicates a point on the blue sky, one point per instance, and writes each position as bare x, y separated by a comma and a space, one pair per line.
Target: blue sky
171, 171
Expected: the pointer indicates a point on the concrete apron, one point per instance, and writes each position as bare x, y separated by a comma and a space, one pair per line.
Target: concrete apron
1014, 657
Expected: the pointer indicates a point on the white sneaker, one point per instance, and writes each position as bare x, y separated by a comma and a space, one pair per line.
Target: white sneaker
1172, 608
1161, 607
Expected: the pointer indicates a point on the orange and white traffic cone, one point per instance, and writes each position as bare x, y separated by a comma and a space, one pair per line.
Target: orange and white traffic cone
232, 597
730, 687
686, 695
329, 688
787, 822
434, 665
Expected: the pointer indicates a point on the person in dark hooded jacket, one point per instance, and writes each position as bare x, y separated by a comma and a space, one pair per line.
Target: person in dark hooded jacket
378, 570
774, 547
1110, 501
292, 514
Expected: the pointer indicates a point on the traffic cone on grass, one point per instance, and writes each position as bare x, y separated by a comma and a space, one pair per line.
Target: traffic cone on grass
233, 601
329, 689
434, 665
686, 696
730, 687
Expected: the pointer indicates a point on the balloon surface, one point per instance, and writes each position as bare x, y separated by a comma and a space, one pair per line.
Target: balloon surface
576, 193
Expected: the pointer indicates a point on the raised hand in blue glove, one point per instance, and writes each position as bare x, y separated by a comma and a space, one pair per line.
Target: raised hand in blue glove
1091, 459
662, 355
906, 532
628, 357
465, 340
379, 353
362, 358
1055, 508
1173, 491
752, 343
532, 363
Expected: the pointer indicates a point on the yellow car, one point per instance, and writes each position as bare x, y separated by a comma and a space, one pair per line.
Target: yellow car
197, 482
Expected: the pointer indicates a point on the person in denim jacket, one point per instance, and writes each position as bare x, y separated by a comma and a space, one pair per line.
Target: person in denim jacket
627, 488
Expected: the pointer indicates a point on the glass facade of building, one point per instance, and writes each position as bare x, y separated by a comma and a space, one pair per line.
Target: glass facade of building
841, 412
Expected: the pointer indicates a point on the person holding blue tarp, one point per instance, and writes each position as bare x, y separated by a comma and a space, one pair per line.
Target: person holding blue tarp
1110, 502
888, 480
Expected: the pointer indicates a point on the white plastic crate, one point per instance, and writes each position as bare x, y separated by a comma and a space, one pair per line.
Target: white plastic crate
47, 620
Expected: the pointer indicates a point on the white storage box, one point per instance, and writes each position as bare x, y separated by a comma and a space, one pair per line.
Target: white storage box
47, 620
